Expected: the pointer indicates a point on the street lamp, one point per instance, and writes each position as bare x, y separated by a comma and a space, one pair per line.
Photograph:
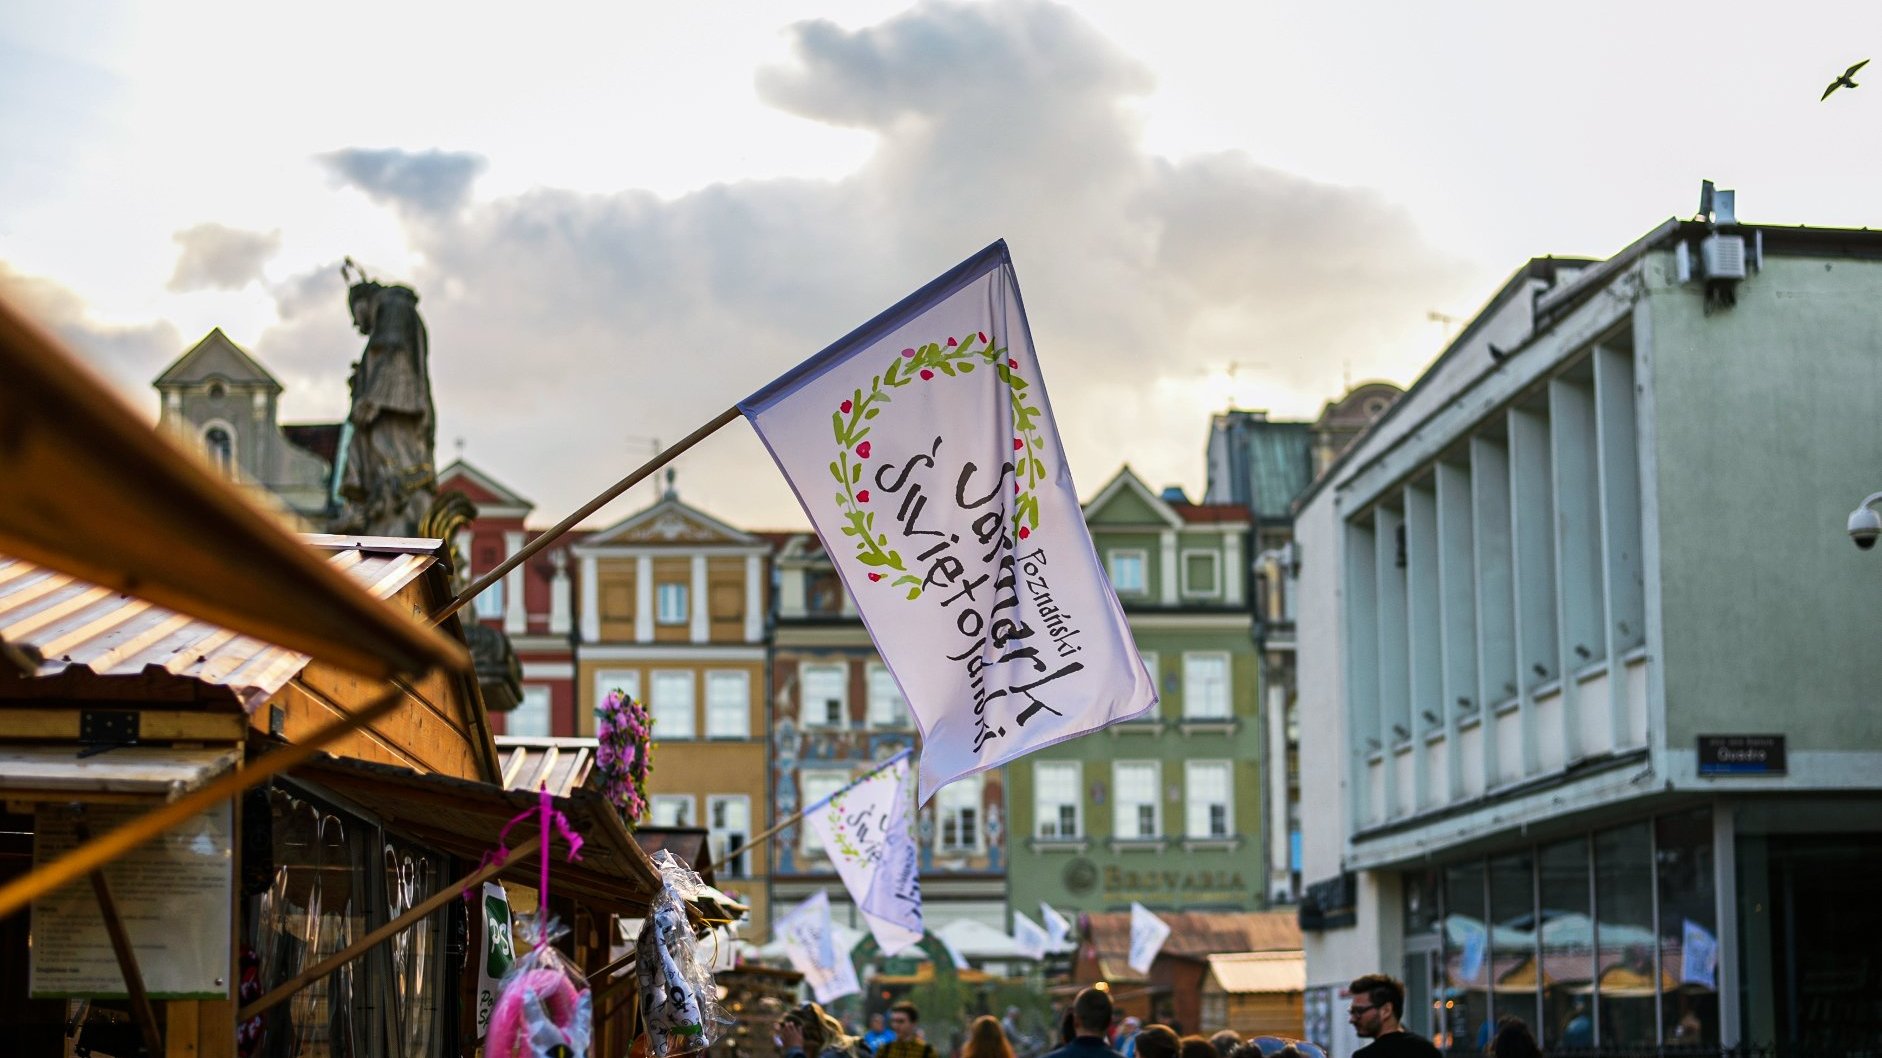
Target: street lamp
1865, 524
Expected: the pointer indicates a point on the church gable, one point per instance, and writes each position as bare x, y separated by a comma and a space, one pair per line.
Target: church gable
216, 357
482, 489
671, 522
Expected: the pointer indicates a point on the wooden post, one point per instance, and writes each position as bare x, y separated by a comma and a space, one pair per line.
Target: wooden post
127, 957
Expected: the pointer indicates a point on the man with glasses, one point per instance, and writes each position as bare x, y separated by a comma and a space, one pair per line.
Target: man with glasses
905, 1022
1378, 1003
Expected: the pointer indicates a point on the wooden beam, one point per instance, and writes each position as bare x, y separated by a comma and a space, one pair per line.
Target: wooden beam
127, 956
92, 855
333, 962
153, 725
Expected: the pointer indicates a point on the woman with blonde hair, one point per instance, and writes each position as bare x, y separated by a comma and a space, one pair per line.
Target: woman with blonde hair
809, 1030
986, 1039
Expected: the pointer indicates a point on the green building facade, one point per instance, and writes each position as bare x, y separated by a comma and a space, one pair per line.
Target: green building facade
1165, 810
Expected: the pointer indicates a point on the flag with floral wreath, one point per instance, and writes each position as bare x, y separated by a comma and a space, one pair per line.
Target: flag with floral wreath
923, 448
868, 831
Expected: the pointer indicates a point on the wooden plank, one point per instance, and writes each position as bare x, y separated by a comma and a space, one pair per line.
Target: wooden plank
153, 725
180, 1029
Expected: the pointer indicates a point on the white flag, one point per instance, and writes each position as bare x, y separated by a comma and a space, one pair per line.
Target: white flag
1057, 928
810, 944
1030, 937
868, 830
923, 449
1148, 932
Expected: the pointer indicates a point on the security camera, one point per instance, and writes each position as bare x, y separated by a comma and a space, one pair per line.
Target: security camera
1865, 525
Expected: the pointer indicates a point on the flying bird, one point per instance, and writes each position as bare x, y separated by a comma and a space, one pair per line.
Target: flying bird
1843, 81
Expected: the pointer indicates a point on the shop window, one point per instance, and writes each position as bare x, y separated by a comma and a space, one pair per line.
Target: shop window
1513, 985
1627, 975
1689, 930
1464, 1024
1567, 947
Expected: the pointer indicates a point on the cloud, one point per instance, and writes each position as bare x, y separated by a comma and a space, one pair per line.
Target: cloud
219, 258
564, 325
426, 182
120, 354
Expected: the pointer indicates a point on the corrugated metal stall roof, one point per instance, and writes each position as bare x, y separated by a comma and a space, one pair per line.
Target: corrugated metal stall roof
52, 623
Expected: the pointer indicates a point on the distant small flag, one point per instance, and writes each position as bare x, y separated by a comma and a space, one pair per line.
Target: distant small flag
1030, 937
1148, 932
810, 944
1057, 928
868, 831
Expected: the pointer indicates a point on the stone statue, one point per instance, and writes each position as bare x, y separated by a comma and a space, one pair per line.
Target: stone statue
389, 474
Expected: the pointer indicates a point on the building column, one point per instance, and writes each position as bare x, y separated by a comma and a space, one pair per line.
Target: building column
559, 614
591, 601
754, 599
1166, 565
1279, 847
1234, 572
643, 599
701, 620
515, 614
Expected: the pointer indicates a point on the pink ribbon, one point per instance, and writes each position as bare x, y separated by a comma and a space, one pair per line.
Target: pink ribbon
548, 816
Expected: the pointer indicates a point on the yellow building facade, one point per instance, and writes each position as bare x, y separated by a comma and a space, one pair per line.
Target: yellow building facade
673, 605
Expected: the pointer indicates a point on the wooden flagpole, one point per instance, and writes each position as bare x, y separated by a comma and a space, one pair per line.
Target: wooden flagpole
555, 532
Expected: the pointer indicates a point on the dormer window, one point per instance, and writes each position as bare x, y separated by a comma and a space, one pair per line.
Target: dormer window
220, 448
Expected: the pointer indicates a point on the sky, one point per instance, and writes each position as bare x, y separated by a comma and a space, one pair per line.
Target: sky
622, 218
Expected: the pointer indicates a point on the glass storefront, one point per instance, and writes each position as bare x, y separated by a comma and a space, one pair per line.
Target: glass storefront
1606, 940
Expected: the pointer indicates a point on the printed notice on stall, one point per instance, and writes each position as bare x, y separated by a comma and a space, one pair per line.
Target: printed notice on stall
173, 894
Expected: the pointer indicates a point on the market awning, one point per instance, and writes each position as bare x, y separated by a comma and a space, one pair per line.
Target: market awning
88, 488
463, 818
53, 771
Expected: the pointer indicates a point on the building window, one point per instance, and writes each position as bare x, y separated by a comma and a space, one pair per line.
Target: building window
1202, 573
728, 704
957, 808
1127, 571
1139, 810
825, 690
812, 787
530, 718
220, 447
729, 818
670, 608
489, 602
1205, 686
887, 708
671, 810
607, 681
672, 705
1056, 799
1209, 788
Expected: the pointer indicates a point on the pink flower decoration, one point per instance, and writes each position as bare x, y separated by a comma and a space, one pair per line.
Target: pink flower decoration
875, 576
983, 336
926, 374
908, 352
1014, 364
952, 342
862, 495
862, 450
845, 406
1018, 444
1024, 532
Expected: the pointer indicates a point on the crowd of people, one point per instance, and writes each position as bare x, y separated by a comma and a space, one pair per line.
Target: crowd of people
1090, 1029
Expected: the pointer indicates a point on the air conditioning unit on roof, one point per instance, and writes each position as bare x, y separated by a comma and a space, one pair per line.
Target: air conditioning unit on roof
1722, 256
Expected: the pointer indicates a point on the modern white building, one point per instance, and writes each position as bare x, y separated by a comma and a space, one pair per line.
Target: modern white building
1588, 669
